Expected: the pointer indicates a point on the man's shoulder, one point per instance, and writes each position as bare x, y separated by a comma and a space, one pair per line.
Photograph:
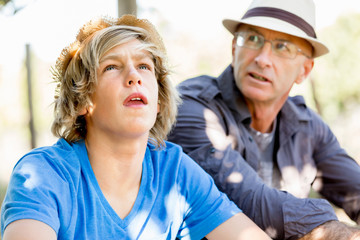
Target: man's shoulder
298, 106
299, 102
198, 85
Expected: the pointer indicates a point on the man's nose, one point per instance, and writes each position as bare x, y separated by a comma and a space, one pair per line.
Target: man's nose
264, 56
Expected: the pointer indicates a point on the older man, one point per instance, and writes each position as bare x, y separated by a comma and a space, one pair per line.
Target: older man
245, 130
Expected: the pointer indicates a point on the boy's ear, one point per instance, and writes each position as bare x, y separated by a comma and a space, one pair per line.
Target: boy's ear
83, 111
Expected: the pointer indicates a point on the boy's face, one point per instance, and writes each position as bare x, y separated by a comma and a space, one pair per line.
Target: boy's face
125, 101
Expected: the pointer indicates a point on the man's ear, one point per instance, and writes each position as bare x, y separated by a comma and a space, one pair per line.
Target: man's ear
305, 70
233, 46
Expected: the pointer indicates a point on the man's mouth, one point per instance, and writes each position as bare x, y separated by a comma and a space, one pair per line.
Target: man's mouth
258, 77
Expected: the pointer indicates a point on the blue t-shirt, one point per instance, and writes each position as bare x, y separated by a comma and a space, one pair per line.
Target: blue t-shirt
56, 185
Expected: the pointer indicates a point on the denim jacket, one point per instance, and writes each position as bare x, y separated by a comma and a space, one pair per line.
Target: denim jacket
211, 128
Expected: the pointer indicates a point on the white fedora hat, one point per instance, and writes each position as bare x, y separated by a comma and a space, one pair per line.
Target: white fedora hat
293, 17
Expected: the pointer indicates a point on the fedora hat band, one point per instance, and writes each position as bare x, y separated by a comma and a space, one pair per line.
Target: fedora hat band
282, 15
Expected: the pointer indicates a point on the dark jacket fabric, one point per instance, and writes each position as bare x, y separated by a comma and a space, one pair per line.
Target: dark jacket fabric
212, 128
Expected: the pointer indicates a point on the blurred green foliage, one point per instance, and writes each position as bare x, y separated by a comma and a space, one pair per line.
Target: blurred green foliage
3, 187
337, 81
11, 7
3, 2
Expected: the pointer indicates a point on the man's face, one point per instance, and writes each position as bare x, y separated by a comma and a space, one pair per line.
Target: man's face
262, 75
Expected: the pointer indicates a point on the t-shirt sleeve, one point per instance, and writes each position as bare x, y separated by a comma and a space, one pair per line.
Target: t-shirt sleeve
35, 191
206, 206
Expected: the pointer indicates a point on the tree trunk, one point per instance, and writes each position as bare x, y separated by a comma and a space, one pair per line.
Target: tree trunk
127, 7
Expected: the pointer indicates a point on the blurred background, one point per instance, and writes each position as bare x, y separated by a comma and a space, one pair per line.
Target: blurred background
33, 33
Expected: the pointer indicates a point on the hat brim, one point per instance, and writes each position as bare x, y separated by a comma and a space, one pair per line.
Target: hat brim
280, 26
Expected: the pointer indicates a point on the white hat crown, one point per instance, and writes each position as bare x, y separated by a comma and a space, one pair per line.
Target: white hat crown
293, 17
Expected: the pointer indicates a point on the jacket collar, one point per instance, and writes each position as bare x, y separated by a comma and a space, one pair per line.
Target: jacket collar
232, 96
295, 109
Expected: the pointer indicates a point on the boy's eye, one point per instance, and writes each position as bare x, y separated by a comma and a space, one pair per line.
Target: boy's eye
146, 66
143, 67
108, 68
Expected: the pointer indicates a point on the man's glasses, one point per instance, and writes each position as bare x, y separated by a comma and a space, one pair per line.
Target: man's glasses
281, 48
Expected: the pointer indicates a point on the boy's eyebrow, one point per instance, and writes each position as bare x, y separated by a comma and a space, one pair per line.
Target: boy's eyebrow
142, 55
118, 57
110, 57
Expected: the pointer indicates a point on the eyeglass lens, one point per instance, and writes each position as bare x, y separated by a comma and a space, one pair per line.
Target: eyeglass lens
256, 41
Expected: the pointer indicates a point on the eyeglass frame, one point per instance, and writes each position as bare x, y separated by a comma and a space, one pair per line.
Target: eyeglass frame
286, 42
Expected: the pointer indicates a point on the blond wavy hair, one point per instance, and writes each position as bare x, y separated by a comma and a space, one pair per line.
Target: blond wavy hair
75, 74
